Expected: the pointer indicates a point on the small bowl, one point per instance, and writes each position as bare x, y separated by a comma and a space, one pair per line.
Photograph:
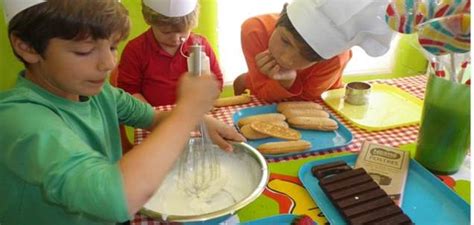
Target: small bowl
254, 169
357, 93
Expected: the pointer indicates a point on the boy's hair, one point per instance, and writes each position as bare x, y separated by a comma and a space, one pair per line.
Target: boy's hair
69, 20
182, 23
306, 51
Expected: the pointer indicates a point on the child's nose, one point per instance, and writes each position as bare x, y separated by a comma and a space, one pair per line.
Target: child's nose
178, 39
107, 61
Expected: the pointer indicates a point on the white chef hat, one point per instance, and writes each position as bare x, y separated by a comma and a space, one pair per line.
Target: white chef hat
331, 27
13, 7
172, 8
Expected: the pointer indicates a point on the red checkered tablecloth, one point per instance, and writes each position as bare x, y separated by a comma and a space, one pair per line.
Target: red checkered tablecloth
392, 137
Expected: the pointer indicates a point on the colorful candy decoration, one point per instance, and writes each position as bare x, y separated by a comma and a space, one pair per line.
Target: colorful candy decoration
444, 8
443, 28
444, 35
405, 16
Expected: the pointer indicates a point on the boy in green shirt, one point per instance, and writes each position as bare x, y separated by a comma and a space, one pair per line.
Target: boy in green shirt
60, 156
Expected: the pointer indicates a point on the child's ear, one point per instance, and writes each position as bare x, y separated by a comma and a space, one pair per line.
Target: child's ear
24, 50
148, 22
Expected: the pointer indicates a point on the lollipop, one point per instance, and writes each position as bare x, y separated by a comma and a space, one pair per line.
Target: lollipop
404, 15
463, 69
444, 35
443, 8
443, 27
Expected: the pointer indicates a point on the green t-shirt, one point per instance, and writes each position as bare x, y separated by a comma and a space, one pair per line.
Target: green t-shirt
59, 158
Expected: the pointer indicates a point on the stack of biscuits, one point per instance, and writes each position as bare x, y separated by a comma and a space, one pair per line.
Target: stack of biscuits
299, 114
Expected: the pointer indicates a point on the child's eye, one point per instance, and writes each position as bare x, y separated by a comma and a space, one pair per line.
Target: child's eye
285, 41
82, 53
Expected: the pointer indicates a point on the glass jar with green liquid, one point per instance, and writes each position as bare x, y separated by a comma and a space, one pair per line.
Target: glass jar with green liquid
444, 135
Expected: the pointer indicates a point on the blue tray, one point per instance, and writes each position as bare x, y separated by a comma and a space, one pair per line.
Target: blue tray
283, 219
320, 140
426, 199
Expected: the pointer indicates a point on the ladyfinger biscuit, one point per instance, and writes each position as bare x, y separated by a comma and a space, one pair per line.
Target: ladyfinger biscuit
284, 147
251, 134
313, 123
282, 106
276, 131
233, 100
261, 117
289, 113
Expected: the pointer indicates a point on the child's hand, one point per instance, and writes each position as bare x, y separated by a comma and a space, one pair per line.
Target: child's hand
269, 66
197, 93
219, 132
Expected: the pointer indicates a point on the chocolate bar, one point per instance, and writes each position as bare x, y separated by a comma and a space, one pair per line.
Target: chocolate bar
358, 198
387, 166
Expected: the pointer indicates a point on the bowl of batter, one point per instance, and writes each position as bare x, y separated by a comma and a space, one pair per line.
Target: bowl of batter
243, 177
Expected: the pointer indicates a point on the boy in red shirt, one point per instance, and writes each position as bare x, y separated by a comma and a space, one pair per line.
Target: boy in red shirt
302, 53
152, 63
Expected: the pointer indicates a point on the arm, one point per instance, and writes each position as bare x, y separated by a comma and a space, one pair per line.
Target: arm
155, 156
140, 97
219, 132
158, 153
255, 37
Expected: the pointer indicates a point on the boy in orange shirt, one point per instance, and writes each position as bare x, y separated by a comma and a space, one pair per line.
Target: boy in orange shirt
152, 63
302, 53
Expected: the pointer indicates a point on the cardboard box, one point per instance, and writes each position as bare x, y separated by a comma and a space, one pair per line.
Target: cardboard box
387, 166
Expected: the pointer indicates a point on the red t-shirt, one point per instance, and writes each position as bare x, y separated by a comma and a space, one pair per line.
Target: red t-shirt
147, 69
310, 83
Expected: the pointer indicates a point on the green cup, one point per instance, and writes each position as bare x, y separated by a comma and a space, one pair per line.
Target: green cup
444, 135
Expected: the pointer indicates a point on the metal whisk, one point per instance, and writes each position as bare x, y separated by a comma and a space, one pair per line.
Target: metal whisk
198, 167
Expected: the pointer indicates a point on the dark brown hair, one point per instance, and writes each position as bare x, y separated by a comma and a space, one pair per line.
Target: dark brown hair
69, 20
182, 23
305, 50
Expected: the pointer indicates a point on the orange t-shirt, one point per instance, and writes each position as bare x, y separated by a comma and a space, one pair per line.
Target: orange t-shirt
310, 83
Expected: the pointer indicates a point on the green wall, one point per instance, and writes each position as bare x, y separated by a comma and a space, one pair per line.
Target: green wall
10, 66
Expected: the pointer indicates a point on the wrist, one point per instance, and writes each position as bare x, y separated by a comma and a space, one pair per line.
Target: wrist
287, 84
188, 112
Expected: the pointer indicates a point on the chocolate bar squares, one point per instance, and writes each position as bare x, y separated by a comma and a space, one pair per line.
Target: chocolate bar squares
356, 195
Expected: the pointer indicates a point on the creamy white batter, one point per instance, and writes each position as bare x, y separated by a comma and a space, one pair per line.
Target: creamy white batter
239, 176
